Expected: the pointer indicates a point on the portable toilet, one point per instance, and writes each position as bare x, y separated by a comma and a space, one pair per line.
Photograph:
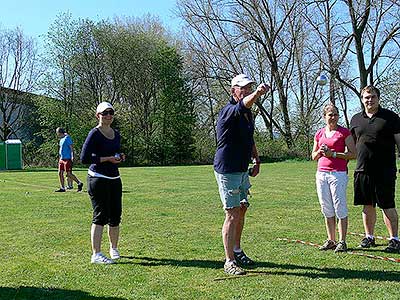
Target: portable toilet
13, 154
3, 156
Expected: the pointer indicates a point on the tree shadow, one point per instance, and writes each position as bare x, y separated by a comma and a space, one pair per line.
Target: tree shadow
35, 293
277, 269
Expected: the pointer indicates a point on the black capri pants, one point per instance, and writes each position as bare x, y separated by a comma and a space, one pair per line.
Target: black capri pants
106, 197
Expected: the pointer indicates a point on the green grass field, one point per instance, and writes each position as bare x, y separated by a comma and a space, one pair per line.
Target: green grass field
171, 240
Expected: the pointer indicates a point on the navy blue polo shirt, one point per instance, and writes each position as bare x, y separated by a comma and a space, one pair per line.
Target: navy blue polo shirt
235, 129
374, 137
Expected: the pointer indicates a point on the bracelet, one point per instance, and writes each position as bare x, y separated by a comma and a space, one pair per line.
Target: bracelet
334, 154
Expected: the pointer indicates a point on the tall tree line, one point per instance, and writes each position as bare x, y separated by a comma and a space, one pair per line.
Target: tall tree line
130, 63
168, 90
290, 43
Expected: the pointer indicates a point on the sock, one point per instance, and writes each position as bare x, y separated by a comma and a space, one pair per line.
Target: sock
395, 238
369, 236
237, 250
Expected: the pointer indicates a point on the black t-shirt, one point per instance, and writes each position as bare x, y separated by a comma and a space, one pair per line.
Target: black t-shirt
375, 142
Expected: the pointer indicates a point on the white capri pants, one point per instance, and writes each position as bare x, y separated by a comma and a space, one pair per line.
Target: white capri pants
331, 190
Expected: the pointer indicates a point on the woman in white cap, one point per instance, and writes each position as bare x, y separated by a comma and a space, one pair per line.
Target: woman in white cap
102, 151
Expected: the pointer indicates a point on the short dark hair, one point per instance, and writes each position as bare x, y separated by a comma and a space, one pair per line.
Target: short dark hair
60, 130
370, 89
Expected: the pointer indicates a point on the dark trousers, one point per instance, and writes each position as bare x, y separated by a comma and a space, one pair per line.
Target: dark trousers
106, 197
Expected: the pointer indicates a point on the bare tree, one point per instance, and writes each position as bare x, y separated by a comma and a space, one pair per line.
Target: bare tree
19, 72
251, 37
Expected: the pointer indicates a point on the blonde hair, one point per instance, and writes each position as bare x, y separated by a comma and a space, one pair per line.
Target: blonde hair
329, 107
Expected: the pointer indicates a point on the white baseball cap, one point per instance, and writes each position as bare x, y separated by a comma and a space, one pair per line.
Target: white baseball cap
241, 80
103, 106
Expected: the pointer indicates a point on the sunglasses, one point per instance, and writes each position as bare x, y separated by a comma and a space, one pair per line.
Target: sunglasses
107, 112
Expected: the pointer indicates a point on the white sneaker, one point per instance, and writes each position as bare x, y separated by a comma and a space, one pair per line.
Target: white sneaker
100, 258
114, 253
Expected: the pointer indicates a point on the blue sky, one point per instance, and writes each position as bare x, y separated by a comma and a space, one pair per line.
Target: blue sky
35, 16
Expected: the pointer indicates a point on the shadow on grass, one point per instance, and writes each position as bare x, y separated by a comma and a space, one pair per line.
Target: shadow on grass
30, 293
150, 261
277, 269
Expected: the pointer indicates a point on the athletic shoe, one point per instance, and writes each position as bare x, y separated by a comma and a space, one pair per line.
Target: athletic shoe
328, 245
70, 187
80, 186
61, 190
341, 247
114, 253
393, 247
243, 259
232, 268
367, 242
100, 258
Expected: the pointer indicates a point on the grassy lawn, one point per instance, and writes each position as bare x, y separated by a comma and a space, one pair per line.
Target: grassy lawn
171, 240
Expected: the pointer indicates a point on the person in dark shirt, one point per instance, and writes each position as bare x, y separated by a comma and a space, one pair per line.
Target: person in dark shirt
377, 132
235, 149
102, 151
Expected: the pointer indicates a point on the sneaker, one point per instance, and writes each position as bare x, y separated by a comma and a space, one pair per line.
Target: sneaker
114, 253
367, 242
232, 268
243, 259
70, 187
100, 258
341, 247
393, 247
328, 245
60, 190
80, 186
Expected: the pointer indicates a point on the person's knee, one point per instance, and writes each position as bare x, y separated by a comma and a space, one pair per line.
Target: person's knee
369, 209
232, 214
114, 222
100, 219
341, 215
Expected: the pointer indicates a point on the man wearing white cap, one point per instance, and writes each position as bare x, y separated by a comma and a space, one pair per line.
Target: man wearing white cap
235, 149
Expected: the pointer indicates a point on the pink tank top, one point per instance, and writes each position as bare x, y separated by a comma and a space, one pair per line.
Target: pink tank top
335, 143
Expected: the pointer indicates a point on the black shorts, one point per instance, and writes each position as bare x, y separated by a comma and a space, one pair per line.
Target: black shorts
106, 197
376, 189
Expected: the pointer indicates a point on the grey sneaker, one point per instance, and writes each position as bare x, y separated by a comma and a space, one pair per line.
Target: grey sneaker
114, 253
328, 245
367, 242
100, 258
393, 247
232, 268
341, 247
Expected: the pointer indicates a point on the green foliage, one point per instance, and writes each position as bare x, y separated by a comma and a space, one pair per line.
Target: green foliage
171, 240
277, 149
133, 66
